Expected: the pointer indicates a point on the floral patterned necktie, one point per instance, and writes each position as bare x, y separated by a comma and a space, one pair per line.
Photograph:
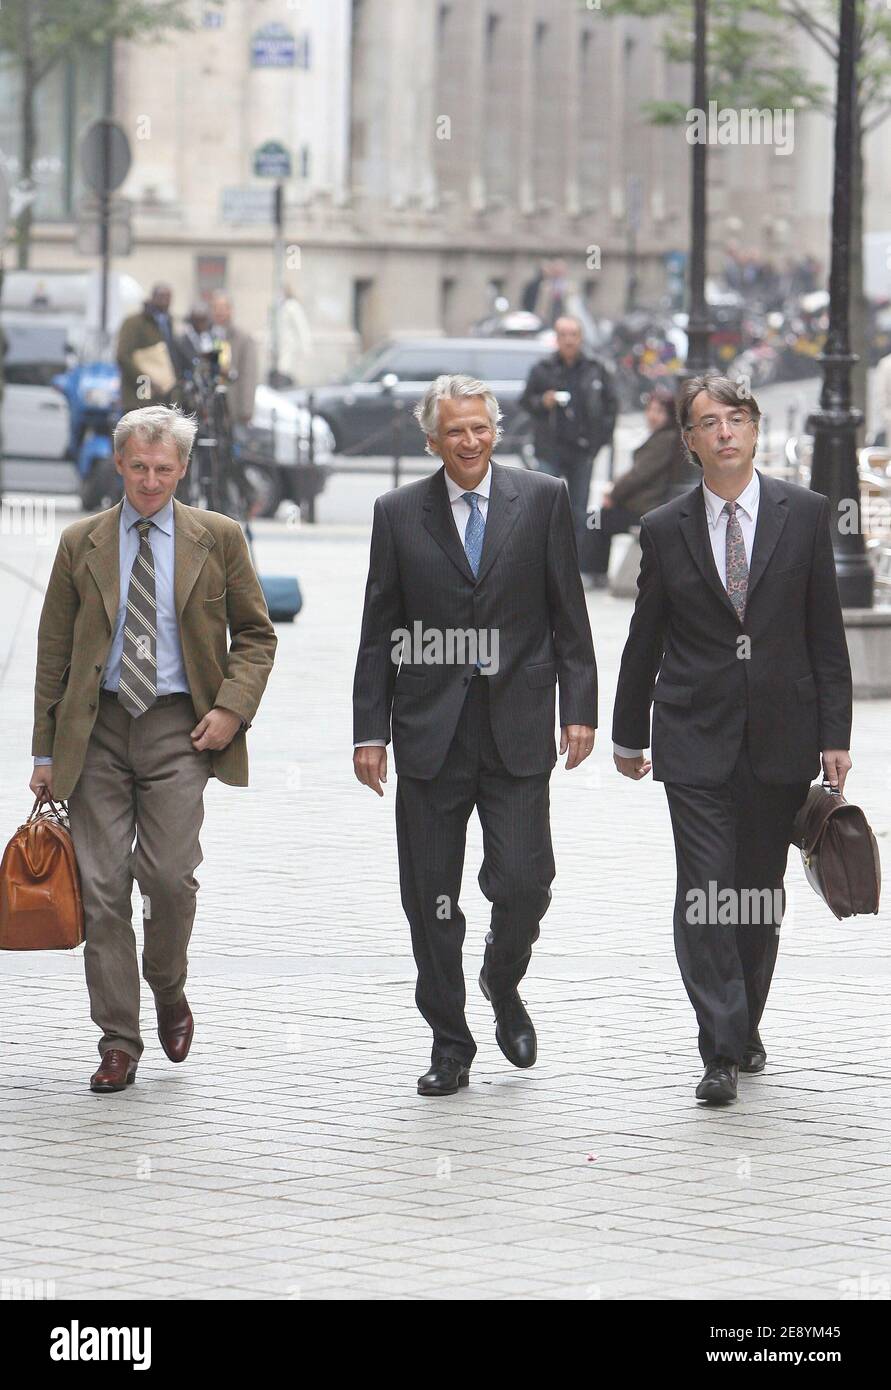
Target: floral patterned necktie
737, 565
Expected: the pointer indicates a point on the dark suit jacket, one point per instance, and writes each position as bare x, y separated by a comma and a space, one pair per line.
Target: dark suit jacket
790, 684
528, 588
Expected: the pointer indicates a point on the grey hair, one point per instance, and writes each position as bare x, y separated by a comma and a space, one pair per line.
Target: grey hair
453, 388
157, 422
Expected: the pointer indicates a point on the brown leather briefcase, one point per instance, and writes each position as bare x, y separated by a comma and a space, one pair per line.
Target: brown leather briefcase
839, 852
40, 901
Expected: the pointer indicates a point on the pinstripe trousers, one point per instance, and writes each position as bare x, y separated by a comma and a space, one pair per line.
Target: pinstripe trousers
516, 874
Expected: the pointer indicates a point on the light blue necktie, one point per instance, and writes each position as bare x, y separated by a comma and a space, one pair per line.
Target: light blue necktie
473, 536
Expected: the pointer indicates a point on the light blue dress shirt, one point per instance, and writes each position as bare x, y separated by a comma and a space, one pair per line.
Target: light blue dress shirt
169, 654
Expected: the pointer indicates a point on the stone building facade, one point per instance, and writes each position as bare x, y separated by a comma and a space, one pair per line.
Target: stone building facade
436, 151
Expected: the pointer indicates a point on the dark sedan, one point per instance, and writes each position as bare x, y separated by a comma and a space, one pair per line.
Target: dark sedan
370, 410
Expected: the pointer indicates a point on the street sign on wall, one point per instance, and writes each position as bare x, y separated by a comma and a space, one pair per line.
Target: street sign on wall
273, 46
248, 205
272, 161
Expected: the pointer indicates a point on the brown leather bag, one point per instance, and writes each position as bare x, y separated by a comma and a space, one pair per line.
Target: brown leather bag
40, 901
839, 851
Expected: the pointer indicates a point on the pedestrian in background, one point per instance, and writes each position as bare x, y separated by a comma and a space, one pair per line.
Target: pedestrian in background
147, 353
658, 466
574, 406
238, 359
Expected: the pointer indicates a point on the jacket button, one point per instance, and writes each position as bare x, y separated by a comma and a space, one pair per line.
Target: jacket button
98, 668
92, 704
467, 680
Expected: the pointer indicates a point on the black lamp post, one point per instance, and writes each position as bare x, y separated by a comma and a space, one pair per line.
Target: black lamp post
698, 326
834, 426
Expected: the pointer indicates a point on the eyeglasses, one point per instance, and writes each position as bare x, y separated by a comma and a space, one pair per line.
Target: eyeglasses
711, 424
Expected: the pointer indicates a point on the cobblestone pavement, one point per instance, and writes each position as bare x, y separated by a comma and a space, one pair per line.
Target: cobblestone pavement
290, 1157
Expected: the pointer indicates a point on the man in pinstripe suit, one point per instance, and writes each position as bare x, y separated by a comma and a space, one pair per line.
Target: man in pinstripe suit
474, 588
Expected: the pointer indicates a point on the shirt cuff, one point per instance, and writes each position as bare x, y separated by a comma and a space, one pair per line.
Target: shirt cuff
371, 743
42, 762
621, 752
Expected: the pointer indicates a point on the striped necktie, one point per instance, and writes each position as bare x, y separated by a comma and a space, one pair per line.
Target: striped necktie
737, 565
138, 686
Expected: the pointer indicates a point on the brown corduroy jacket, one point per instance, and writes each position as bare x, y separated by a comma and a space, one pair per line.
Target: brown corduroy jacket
216, 593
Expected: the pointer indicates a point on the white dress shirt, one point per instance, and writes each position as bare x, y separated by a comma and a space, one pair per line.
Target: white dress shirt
460, 516
461, 508
717, 519
747, 515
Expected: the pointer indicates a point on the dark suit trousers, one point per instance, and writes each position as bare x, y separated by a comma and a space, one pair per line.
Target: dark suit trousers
517, 871
734, 836
575, 467
613, 521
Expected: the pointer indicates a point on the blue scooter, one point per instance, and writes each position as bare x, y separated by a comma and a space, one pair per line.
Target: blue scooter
93, 393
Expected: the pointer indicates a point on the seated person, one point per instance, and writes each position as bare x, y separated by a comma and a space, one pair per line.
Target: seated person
658, 466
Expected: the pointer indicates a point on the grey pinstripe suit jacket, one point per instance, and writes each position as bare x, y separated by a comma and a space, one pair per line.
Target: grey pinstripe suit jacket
528, 589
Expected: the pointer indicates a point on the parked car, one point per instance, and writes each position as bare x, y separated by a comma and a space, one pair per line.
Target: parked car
370, 410
36, 420
275, 454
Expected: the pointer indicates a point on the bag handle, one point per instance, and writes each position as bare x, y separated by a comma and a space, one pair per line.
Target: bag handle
57, 809
828, 787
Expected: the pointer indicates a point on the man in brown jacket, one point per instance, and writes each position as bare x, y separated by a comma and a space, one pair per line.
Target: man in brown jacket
150, 328
139, 698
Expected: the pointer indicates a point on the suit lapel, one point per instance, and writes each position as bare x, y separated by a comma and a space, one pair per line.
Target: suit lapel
439, 521
104, 560
191, 542
501, 518
773, 510
694, 526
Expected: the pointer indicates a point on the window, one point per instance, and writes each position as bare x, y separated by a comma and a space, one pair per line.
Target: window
418, 364
492, 23
499, 365
362, 290
210, 275
34, 354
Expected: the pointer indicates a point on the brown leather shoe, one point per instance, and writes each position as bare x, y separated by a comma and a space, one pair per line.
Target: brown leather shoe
175, 1029
116, 1071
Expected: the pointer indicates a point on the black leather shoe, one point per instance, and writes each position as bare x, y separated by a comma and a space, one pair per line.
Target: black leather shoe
754, 1056
718, 1086
514, 1032
444, 1078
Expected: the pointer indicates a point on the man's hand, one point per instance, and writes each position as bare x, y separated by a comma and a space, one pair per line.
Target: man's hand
549, 400
370, 766
635, 768
579, 739
607, 499
41, 782
836, 766
215, 731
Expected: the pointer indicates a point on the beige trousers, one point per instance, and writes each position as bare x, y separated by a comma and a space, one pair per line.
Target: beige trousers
141, 780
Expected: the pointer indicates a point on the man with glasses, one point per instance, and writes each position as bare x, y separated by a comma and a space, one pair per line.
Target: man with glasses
737, 639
